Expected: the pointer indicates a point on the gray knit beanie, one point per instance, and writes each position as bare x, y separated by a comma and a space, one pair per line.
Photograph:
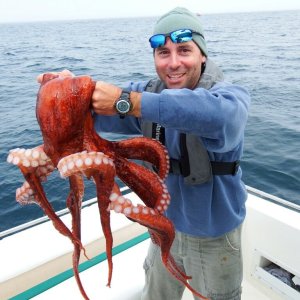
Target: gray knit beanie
181, 18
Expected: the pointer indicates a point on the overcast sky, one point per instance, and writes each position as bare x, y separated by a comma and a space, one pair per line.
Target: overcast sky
42, 10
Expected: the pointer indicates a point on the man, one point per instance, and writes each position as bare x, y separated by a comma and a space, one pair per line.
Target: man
201, 120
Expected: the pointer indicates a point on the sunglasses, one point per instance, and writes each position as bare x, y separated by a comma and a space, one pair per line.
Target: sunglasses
177, 37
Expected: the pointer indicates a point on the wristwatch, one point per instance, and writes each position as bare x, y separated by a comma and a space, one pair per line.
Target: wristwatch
123, 104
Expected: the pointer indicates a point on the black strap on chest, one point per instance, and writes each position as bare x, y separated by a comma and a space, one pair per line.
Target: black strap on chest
182, 166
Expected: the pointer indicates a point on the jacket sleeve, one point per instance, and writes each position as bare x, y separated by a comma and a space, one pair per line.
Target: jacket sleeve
218, 115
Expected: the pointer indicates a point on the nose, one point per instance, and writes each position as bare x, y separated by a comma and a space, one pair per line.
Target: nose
174, 60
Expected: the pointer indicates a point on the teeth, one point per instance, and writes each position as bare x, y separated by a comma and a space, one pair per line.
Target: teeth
175, 76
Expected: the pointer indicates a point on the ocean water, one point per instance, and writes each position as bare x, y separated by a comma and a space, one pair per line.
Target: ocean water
260, 51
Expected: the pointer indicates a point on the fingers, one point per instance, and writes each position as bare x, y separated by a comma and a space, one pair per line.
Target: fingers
61, 74
66, 73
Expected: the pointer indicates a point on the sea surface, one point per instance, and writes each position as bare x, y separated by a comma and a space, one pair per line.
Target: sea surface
260, 51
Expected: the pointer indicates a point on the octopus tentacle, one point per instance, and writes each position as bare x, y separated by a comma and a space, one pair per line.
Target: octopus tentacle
101, 168
104, 185
25, 194
30, 161
146, 184
35, 158
42, 201
35, 166
145, 149
161, 229
74, 202
82, 162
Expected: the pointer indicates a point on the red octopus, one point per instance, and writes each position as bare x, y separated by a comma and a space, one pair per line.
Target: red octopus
72, 146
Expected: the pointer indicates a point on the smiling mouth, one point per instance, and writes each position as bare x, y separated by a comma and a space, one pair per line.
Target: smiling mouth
175, 76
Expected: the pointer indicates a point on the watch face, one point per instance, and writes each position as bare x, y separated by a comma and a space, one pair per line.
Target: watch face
123, 106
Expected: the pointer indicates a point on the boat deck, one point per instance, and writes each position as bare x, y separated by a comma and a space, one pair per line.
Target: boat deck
37, 261
127, 282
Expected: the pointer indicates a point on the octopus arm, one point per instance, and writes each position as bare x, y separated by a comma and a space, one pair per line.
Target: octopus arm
42, 201
161, 230
101, 168
104, 185
74, 202
145, 149
146, 184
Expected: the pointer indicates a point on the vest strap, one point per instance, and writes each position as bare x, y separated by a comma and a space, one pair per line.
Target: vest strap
177, 167
225, 168
182, 166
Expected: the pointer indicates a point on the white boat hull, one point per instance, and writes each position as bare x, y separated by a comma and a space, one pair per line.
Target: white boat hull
34, 258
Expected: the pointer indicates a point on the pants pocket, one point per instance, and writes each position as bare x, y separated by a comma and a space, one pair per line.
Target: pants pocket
233, 240
153, 251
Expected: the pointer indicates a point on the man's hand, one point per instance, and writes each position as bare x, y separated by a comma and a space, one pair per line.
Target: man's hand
104, 98
62, 74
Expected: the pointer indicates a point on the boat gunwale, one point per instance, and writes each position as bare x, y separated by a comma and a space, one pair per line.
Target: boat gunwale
126, 190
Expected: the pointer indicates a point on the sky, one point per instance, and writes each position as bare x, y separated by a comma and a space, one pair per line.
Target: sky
45, 10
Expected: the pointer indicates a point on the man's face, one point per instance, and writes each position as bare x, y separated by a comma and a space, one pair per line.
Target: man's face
179, 65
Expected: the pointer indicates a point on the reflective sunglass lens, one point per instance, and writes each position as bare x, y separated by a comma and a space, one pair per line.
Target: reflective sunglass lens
178, 36
157, 40
181, 36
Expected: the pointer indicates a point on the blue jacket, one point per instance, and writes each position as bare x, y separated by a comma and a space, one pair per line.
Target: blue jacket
218, 117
